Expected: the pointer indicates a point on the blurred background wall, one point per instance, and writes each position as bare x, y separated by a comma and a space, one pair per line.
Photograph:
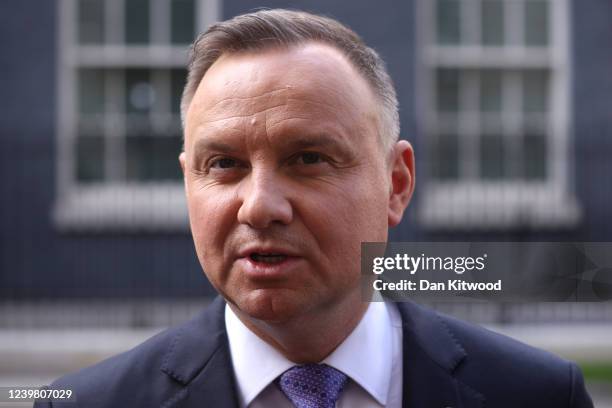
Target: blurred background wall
507, 103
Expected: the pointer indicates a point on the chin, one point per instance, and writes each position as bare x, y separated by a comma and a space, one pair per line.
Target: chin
272, 306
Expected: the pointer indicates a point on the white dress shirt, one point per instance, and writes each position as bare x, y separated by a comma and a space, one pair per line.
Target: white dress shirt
371, 356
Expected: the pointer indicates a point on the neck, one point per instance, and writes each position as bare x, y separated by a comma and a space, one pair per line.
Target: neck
311, 337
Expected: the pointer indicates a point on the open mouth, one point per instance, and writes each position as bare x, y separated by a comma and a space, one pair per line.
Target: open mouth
269, 258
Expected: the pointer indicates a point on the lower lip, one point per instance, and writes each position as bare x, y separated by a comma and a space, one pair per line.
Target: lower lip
268, 270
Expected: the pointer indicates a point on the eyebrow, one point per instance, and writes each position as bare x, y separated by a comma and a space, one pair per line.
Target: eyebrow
203, 145
314, 140
297, 141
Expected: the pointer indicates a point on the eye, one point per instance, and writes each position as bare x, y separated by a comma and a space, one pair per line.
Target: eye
223, 163
309, 158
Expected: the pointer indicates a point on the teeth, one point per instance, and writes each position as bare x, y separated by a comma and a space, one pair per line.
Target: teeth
268, 258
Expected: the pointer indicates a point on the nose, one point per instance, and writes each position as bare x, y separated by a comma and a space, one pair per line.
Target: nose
264, 201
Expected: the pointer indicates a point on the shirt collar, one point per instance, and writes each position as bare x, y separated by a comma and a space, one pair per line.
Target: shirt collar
256, 364
365, 355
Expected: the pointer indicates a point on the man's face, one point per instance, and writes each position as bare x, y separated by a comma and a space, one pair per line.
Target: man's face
285, 177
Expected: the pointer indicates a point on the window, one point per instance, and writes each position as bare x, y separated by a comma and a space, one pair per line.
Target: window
494, 93
121, 75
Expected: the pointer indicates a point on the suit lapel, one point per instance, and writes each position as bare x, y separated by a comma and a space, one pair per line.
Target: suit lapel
431, 356
199, 359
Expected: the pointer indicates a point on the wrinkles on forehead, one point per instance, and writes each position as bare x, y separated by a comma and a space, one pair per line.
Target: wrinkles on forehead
245, 90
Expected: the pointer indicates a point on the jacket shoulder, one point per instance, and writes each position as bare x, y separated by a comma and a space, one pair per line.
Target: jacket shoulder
121, 377
511, 370
140, 377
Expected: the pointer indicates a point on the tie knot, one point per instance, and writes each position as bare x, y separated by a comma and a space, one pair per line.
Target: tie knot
312, 385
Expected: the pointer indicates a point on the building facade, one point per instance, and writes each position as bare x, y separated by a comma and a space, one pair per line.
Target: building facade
507, 103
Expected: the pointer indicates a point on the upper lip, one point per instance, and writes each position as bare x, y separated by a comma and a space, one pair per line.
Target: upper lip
265, 249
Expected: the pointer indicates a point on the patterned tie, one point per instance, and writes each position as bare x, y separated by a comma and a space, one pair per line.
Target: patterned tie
312, 385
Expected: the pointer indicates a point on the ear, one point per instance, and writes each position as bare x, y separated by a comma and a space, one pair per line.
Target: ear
401, 187
182, 161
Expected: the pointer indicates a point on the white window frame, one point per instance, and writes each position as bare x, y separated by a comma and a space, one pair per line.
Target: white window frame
115, 205
477, 204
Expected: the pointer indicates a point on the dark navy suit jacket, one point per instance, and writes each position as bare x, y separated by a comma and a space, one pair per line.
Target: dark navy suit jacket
447, 363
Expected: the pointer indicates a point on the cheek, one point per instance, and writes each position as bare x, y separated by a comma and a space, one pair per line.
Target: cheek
211, 215
365, 210
341, 221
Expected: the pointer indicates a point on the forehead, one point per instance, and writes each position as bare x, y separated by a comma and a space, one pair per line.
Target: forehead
312, 81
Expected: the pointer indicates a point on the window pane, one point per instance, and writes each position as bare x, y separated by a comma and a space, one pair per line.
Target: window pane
536, 22
535, 91
443, 160
153, 158
91, 91
448, 21
492, 16
183, 16
179, 77
490, 91
535, 147
447, 84
90, 158
91, 21
491, 156
137, 21
140, 94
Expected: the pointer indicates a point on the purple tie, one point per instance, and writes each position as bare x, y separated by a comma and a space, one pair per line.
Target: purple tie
312, 385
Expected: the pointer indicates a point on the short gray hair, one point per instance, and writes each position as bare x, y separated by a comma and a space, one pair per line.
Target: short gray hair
265, 29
